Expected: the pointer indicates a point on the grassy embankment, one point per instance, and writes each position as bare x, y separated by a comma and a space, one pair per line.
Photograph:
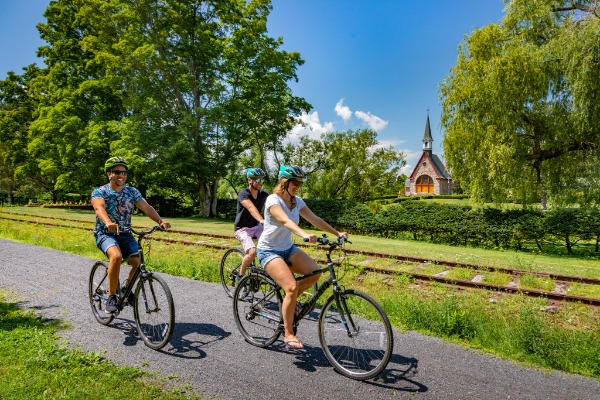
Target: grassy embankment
511, 326
35, 365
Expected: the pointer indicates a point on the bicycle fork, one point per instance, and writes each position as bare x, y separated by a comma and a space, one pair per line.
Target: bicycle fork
351, 330
150, 308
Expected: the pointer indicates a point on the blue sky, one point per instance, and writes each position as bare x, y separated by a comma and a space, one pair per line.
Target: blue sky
368, 64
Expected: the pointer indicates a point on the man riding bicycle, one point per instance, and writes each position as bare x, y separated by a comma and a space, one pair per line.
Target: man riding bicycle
249, 222
114, 204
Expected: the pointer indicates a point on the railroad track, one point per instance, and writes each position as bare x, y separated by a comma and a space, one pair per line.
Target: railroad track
410, 265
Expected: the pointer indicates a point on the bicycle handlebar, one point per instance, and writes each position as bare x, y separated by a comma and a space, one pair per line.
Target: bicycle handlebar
325, 240
144, 233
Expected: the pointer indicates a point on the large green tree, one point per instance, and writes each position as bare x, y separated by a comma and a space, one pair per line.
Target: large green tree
521, 107
347, 165
202, 81
17, 106
78, 107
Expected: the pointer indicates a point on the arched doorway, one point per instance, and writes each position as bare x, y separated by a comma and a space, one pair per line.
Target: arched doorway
424, 184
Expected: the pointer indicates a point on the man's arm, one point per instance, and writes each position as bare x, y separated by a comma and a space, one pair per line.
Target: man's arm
100, 209
252, 210
151, 213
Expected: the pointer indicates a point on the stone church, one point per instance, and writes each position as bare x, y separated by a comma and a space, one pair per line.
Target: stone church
429, 175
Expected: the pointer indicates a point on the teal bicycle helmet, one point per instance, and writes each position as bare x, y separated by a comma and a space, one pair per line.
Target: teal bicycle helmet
291, 172
255, 173
111, 162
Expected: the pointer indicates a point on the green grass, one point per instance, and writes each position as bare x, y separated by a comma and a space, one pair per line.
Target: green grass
496, 278
462, 274
34, 364
583, 289
535, 282
511, 326
559, 264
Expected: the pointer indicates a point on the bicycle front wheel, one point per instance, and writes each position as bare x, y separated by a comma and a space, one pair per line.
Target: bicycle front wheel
230, 266
257, 310
154, 311
98, 292
355, 335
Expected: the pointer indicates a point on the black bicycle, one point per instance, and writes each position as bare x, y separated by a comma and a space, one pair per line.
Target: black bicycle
230, 268
153, 308
354, 330
229, 271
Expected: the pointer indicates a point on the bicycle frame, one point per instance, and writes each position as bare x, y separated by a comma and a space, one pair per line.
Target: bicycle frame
330, 281
140, 270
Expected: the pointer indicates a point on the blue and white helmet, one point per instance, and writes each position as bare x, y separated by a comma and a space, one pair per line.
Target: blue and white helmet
291, 172
255, 173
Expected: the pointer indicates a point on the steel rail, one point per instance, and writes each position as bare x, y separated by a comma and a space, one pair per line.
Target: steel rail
421, 277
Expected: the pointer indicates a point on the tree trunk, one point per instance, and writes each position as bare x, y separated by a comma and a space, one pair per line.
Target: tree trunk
569, 244
10, 195
207, 199
543, 199
203, 200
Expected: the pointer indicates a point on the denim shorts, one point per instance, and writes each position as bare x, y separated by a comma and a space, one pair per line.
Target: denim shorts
264, 256
125, 241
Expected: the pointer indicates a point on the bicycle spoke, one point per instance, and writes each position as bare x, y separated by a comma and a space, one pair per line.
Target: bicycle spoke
154, 311
98, 292
258, 313
230, 266
356, 336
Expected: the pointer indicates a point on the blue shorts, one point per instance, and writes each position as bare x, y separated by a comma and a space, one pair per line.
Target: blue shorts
264, 256
125, 241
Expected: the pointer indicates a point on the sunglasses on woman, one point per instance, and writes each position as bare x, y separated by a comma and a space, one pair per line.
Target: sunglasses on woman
296, 183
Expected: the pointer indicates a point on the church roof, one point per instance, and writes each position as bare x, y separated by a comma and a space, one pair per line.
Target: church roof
439, 167
437, 164
427, 136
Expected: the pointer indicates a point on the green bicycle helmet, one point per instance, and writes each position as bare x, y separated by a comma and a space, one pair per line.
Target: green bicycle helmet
255, 173
291, 172
111, 162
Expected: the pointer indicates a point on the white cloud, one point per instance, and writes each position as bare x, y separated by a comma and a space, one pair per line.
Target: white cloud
342, 110
374, 122
406, 170
412, 158
310, 125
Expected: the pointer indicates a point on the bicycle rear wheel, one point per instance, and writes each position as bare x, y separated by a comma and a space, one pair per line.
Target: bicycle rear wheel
154, 311
98, 292
257, 310
356, 335
230, 265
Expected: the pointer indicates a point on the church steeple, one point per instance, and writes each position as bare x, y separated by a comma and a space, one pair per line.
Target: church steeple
427, 138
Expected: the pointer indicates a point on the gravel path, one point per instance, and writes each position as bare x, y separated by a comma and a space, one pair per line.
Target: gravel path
207, 351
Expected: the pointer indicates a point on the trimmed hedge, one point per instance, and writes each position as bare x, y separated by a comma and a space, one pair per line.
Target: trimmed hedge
459, 225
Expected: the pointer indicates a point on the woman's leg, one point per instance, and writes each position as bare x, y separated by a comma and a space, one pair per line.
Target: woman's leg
302, 263
279, 271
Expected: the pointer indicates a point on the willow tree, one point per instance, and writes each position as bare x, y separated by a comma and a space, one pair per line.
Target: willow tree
521, 108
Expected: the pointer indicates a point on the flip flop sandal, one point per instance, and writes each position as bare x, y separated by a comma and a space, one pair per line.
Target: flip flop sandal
293, 344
